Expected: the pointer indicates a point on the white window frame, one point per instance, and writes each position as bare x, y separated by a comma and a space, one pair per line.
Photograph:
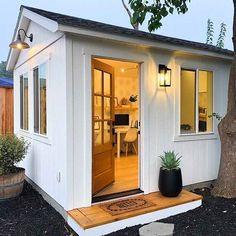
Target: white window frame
24, 75
39, 117
195, 135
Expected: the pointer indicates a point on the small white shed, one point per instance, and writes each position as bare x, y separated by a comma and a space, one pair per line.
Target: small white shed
80, 75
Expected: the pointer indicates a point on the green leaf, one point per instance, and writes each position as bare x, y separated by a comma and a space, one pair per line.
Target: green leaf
171, 10
169, 160
156, 11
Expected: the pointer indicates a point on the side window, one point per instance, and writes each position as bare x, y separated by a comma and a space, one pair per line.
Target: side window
196, 105
24, 98
40, 99
205, 101
188, 101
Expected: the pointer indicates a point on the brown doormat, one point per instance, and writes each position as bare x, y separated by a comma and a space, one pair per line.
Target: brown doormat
126, 205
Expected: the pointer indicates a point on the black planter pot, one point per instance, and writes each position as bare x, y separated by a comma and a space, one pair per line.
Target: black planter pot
170, 182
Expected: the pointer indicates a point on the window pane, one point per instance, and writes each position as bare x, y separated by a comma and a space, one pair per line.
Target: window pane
36, 100
107, 132
107, 108
21, 103
107, 84
98, 107
26, 119
43, 99
187, 110
205, 101
97, 138
97, 81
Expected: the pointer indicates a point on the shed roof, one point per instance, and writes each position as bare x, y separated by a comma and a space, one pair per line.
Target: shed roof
6, 83
117, 30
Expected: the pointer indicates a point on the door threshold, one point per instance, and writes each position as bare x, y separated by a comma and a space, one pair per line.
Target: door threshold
116, 195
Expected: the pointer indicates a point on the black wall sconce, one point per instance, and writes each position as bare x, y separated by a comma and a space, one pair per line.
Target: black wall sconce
19, 44
164, 76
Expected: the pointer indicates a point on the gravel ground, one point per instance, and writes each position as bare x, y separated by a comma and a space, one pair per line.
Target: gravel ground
30, 215
217, 216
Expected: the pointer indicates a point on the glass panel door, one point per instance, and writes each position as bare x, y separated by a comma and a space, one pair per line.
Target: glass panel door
103, 172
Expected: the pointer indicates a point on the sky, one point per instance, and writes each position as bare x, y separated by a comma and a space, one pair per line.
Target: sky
191, 26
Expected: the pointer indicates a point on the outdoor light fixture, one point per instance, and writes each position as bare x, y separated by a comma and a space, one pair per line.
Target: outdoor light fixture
164, 76
19, 44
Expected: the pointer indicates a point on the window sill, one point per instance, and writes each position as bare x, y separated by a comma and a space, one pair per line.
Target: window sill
24, 133
195, 137
37, 137
41, 138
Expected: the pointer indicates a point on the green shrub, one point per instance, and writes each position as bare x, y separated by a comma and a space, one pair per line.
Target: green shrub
12, 151
170, 160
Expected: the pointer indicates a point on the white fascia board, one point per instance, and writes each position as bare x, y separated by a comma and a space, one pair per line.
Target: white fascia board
25, 16
41, 20
142, 42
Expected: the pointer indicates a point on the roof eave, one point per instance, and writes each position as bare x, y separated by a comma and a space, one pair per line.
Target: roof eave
142, 42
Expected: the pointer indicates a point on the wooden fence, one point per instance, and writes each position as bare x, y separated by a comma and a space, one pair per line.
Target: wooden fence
6, 111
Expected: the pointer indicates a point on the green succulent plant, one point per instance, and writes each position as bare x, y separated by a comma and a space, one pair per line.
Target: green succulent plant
170, 160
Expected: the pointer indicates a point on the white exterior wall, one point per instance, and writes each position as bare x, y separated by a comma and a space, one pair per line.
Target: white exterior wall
159, 115
67, 149
47, 158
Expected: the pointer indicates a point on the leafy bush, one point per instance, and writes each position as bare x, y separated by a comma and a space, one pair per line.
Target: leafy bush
170, 160
12, 151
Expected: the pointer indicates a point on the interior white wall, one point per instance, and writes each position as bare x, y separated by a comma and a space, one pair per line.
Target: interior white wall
159, 114
46, 162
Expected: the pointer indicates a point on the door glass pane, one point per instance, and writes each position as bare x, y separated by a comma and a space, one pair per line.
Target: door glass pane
107, 131
205, 101
97, 133
98, 107
188, 111
107, 84
97, 81
107, 108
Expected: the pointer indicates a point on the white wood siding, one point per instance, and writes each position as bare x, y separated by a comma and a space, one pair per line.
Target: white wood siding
46, 163
159, 114
67, 149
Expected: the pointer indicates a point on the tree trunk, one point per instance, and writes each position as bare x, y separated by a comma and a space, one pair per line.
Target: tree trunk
226, 182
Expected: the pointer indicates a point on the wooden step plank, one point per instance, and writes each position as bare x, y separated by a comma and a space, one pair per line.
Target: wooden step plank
80, 218
93, 216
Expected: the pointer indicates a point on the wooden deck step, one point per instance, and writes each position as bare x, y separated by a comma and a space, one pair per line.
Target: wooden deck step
94, 216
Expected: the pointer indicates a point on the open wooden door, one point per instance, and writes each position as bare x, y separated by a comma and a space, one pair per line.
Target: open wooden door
103, 116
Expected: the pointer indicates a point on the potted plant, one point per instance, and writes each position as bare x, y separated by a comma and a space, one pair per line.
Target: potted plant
170, 177
12, 151
133, 98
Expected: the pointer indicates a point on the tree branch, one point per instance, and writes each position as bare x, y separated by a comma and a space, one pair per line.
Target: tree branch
136, 25
126, 8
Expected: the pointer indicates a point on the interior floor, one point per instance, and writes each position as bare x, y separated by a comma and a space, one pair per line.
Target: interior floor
126, 175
